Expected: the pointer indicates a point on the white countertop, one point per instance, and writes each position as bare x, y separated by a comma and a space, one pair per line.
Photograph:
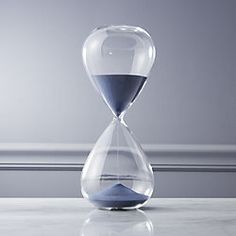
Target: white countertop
75, 217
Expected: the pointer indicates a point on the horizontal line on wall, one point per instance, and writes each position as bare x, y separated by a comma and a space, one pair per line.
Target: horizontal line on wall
71, 157
79, 167
194, 168
42, 166
72, 147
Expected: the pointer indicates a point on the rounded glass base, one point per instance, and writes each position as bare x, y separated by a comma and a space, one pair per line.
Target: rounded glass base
117, 197
121, 207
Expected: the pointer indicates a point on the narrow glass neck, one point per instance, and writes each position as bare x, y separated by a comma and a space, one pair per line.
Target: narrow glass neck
119, 118
118, 115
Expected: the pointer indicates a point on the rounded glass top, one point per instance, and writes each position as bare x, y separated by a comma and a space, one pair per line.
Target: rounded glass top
120, 49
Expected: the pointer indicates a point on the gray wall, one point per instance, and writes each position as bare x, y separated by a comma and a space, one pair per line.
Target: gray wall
53, 170
45, 94
46, 97
67, 184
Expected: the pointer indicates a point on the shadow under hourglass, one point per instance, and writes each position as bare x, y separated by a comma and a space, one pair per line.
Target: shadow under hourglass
108, 223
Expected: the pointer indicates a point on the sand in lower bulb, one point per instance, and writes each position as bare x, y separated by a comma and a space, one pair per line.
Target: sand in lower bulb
117, 196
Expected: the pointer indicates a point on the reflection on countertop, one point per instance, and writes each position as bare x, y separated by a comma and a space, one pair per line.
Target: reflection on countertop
107, 223
77, 217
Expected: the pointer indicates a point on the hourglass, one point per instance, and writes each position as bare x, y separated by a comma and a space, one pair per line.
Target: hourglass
117, 174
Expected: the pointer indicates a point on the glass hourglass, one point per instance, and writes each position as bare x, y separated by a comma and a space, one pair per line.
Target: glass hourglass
117, 174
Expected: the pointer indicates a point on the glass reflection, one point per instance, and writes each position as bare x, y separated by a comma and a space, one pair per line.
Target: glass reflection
109, 223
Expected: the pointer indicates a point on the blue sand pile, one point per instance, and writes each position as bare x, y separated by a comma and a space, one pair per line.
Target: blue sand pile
117, 196
118, 90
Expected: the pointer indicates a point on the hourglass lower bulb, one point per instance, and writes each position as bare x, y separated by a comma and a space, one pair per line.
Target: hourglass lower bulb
117, 174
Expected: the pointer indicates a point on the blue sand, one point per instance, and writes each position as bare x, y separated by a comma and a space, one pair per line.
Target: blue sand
118, 90
117, 196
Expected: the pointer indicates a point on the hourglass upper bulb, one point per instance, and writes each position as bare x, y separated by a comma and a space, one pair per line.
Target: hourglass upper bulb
118, 60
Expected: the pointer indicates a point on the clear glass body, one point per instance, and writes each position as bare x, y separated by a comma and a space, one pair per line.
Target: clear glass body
117, 174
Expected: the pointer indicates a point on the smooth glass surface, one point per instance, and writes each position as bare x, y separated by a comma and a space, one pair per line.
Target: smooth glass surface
121, 55
117, 174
